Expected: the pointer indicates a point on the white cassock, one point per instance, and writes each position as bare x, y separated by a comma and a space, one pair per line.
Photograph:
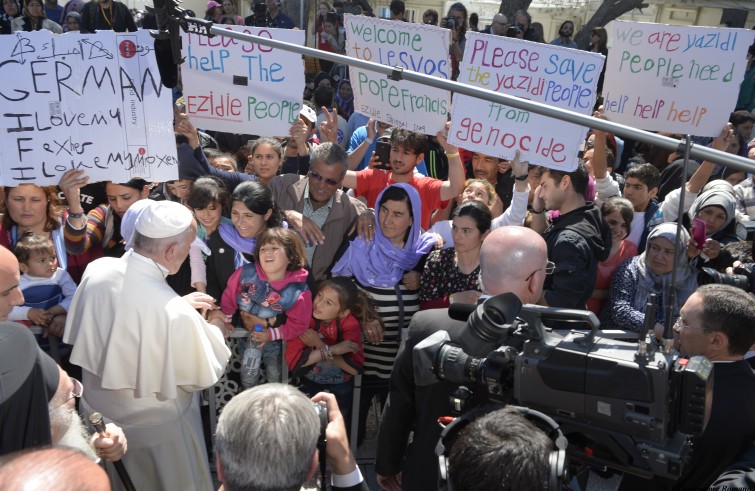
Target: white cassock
145, 352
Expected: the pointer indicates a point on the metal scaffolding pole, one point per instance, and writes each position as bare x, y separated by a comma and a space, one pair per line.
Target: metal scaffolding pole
696, 152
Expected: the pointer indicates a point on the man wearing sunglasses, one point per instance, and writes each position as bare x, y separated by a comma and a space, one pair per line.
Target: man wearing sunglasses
317, 207
499, 26
512, 260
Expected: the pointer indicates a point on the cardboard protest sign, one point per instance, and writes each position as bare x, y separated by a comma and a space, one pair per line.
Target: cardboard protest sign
93, 102
553, 75
417, 47
682, 79
241, 87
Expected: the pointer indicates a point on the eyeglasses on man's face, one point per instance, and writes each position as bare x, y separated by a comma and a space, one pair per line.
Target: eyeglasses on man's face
76, 392
549, 268
318, 178
681, 325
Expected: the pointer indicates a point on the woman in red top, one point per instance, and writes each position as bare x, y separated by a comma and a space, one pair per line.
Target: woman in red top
329, 39
322, 12
618, 213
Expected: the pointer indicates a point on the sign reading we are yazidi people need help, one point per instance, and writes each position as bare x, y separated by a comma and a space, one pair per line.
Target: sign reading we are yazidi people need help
87, 101
561, 77
681, 79
416, 47
243, 87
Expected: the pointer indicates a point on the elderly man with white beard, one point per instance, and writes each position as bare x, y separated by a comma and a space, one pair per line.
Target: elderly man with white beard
68, 430
37, 400
37, 396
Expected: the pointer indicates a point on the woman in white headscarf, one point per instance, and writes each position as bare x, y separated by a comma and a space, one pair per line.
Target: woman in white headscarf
33, 19
717, 207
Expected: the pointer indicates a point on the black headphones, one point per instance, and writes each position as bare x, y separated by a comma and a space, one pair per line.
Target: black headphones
557, 475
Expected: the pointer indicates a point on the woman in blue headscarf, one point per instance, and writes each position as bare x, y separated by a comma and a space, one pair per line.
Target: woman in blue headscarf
385, 269
345, 99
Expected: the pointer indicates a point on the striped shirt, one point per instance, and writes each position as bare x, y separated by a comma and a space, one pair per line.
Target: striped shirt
378, 360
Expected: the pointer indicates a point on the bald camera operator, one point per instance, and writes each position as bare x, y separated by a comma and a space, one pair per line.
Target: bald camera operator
521, 270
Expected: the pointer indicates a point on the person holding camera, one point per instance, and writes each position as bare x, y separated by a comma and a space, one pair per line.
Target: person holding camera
267, 438
456, 22
523, 24
512, 260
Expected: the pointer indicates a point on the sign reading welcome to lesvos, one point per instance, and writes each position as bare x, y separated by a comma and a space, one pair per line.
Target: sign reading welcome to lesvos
417, 47
553, 75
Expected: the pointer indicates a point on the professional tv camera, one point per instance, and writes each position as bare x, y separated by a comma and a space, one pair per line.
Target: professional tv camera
621, 407
743, 277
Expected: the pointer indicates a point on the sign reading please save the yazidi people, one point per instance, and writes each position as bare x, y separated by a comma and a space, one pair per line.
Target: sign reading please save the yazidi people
93, 102
552, 75
681, 79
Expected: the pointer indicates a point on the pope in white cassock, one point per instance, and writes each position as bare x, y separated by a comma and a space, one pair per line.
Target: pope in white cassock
145, 352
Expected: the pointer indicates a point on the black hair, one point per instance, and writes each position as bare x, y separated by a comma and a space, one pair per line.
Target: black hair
397, 7
563, 24
31, 243
738, 117
501, 450
396, 193
323, 96
477, 211
731, 311
135, 183
623, 206
410, 140
647, 173
258, 199
579, 177
207, 190
459, 7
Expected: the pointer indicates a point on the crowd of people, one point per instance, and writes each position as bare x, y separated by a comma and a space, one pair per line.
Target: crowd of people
315, 259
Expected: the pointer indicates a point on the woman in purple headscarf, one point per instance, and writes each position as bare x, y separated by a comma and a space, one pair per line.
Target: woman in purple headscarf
385, 269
